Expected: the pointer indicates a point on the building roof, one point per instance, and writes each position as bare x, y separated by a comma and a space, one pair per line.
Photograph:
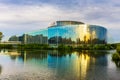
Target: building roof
63, 23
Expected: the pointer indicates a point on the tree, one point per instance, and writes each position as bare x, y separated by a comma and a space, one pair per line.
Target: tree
1, 35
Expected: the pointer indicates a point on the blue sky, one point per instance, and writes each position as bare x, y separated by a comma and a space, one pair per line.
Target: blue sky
19, 16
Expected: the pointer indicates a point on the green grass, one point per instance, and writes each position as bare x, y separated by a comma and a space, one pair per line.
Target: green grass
118, 48
63, 47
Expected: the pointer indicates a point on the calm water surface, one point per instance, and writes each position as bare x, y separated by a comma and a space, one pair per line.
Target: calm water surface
57, 65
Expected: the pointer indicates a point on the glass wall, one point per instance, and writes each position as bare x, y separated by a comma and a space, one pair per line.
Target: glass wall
61, 35
36, 37
77, 34
67, 32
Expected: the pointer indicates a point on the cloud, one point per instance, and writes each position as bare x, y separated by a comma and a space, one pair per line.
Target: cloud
19, 16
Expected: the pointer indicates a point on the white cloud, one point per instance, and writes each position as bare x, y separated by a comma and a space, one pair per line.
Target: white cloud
16, 19
26, 13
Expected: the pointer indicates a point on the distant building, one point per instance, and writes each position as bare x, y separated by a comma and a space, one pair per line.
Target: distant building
14, 38
65, 32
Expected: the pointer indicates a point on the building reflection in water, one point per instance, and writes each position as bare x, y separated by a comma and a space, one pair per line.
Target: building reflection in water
33, 55
76, 65
81, 65
24, 56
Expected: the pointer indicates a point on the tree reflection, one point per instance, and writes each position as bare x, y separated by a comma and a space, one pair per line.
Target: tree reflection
117, 63
59, 53
35, 54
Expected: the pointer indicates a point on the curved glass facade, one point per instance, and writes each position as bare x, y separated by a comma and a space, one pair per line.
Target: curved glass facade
69, 33
77, 34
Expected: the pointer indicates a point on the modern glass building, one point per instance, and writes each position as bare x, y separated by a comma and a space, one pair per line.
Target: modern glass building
68, 33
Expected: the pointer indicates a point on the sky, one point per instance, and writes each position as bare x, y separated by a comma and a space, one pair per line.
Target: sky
20, 16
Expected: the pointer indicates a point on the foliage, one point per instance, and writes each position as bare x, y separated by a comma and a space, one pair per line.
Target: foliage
118, 48
33, 46
6, 46
1, 35
64, 47
116, 59
95, 47
61, 47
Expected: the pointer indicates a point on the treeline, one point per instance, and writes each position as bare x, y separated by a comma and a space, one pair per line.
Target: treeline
6, 46
32, 46
67, 47
89, 47
60, 47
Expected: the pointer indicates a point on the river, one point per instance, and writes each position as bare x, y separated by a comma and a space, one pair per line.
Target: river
57, 65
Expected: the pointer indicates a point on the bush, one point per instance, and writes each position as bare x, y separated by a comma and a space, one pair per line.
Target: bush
116, 57
33, 46
6, 46
118, 48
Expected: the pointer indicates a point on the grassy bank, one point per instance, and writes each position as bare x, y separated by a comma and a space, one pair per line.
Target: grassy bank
65, 47
60, 47
118, 48
6, 46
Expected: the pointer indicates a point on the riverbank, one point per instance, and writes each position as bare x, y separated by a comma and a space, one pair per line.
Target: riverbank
65, 47
50, 65
28, 76
60, 47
